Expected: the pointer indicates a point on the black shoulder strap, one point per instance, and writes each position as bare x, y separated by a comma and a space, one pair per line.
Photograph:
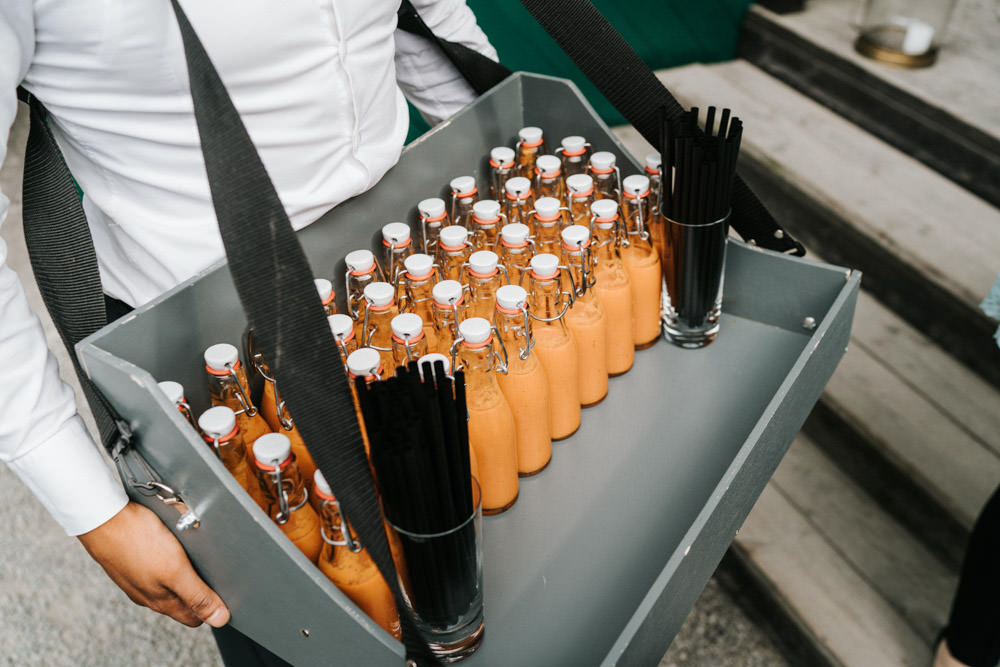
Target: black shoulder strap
628, 83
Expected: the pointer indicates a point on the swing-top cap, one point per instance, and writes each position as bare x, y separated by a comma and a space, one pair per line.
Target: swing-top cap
360, 261
575, 236
272, 449
544, 265
475, 330
487, 210
530, 135
432, 207
602, 209
217, 422
515, 233
447, 292
548, 164
502, 155
221, 356
340, 325
363, 362
518, 186
407, 325
379, 294
574, 144
602, 160
174, 391
320, 481
426, 363
580, 183
463, 185
547, 207
324, 288
636, 184
396, 232
418, 265
512, 297
454, 236
654, 161
483, 261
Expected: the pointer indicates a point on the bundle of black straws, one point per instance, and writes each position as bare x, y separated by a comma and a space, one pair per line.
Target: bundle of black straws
420, 451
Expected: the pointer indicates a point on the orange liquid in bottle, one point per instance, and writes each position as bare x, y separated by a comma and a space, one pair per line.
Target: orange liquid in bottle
302, 524
589, 325
557, 355
269, 410
493, 437
616, 297
224, 391
643, 266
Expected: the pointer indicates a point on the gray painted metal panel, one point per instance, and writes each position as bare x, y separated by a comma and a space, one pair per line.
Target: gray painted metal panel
605, 552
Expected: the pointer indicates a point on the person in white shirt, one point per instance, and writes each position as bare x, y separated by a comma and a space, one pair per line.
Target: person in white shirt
319, 86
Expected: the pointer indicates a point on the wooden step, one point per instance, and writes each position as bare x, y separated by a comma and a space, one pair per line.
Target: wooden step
927, 247
944, 115
845, 573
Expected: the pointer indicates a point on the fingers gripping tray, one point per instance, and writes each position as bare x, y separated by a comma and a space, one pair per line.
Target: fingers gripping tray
606, 551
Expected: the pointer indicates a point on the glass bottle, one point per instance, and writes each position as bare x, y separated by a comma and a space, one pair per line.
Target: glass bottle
502, 167
174, 392
286, 494
642, 261
347, 563
515, 251
548, 177
326, 295
492, 434
579, 197
463, 196
418, 283
380, 308
530, 144
554, 343
486, 223
218, 428
575, 152
524, 385
363, 363
279, 419
449, 309
586, 318
362, 270
547, 222
433, 217
613, 285
227, 385
607, 178
518, 200
398, 246
484, 277
342, 328
653, 168
408, 340
453, 251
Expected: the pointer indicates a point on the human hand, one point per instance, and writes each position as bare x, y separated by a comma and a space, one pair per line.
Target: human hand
147, 562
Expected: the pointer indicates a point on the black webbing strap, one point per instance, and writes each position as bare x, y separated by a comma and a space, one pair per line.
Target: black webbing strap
627, 82
63, 259
275, 285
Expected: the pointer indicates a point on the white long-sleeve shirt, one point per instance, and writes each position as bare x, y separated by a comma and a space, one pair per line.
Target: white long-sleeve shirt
315, 82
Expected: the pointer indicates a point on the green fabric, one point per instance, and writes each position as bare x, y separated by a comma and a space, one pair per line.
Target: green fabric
665, 33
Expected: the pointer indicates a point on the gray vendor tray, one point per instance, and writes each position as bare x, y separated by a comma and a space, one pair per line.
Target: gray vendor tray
606, 551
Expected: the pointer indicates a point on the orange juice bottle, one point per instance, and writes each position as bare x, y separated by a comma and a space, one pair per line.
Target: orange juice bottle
227, 385
613, 285
642, 261
286, 495
575, 152
464, 195
174, 392
453, 251
418, 284
398, 246
362, 270
449, 309
486, 223
586, 318
502, 167
492, 433
547, 222
278, 418
554, 343
433, 218
579, 197
637, 204
530, 144
380, 308
607, 178
326, 294
524, 385
548, 179
519, 200
342, 328
427, 362
365, 363
348, 564
408, 340
653, 168
484, 276
218, 428
515, 251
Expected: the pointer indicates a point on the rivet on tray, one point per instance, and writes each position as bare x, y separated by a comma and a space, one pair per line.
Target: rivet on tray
809, 323
305, 632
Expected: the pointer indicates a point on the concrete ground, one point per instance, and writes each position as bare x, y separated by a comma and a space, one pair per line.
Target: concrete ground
58, 608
